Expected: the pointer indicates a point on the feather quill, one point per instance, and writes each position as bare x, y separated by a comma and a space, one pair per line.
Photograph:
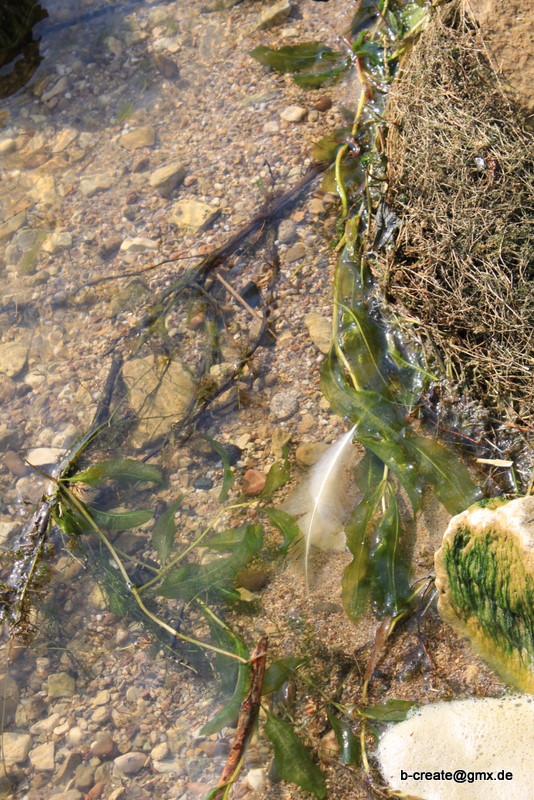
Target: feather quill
323, 499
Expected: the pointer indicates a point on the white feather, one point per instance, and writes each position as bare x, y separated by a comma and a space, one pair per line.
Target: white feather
323, 499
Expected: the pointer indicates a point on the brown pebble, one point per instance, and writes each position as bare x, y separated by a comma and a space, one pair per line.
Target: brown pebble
166, 66
96, 791
131, 197
104, 748
110, 247
15, 464
323, 103
252, 579
141, 165
253, 482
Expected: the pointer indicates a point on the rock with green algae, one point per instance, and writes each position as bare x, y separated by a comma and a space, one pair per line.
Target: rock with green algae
485, 583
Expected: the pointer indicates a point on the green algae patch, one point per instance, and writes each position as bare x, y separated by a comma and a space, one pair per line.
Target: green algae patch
485, 582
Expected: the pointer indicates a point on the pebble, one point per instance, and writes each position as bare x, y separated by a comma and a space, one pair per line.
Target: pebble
45, 456
15, 747
320, 330
104, 748
252, 579
68, 768
284, 405
84, 776
271, 126
140, 137
93, 184
253, 482
287, 232
101, 715
192, 215
130, 763
13, 358
323, 103
57, 242
9, 697
61, 684
114, 45
15, 464
42, 757
7, 146
165, 179
159, 752
256, 779
71, 794
8, 530
138, 245
295, 253
309, 453
294, 113
273, 15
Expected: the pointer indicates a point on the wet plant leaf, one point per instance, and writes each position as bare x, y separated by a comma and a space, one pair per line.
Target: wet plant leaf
445, 473
395, 457
226, 668
351, 173
125, 469
391, 711
311, 63
228, 540
325, 150
120, 521
355, 581
292, 761
278, 475
191, 580
165, 531
229, 713
368, 473
279, 672
347, 740
390, 588
285, 524
370, 51
228, 473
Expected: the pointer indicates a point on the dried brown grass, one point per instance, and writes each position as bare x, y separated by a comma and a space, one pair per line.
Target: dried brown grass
461, 175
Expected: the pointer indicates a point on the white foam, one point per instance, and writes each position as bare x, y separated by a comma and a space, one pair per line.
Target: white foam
476, 735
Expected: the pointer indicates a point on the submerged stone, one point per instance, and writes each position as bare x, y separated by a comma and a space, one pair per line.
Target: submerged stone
192, 214
160, 394
485, 583
461, 738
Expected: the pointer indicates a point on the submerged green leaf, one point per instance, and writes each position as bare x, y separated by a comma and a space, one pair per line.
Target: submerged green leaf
351, 752
390, 588
292, 761
355, 584
391, 711
445, 472
395, 457
314, 62
228, 473
285, 524
122, 520
229, 713
279, 672
125, 469
191, 580
165, 531
278, 476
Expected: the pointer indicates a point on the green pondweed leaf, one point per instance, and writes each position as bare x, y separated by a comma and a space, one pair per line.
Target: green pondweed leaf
368, 473
165, 531
369, 50
395, 457
228, 540
226, 668
325, 150
364, 345
279, 672
191, 580
278, 476
125, 469
445, 473
285, 524
351, 752
391, 711
228, 473
292, 761
120, 520
229, 713
390, 588
351, 174
311, 63
355, 582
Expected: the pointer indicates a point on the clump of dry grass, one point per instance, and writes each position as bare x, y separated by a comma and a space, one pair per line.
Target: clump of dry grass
461, 175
